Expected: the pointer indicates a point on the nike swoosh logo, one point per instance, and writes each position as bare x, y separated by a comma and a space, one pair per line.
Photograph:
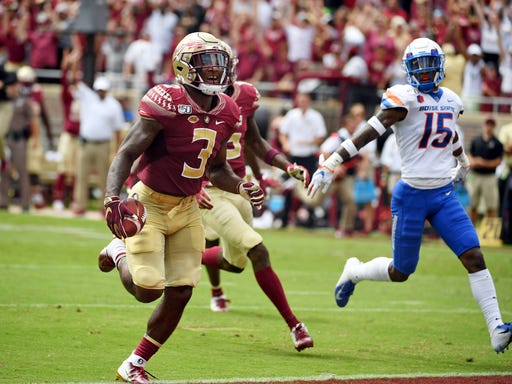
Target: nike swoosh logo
448, 193
449, 100
217, 122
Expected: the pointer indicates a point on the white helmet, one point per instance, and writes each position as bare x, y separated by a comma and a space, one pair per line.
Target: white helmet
201, 61
423, 61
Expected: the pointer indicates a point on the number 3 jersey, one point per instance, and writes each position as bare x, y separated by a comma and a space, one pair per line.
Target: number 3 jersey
176, 160
425, 137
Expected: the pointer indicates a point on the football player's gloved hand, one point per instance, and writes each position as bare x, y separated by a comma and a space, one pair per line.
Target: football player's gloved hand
268, 182
459, 173
251, 192
322, 178
298, 172
114, 216
204, 199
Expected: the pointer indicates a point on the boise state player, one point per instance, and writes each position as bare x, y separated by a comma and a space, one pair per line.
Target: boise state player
180, 137
423, 117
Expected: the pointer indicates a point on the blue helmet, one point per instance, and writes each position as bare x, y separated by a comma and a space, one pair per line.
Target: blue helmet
423, 62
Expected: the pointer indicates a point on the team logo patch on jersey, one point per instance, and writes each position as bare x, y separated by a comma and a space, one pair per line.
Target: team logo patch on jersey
420, 99
184, 109
193, 119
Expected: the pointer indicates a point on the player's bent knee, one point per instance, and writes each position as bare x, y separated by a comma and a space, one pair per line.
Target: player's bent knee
397, 276
230, 267
148, 278
147, 295
473, 260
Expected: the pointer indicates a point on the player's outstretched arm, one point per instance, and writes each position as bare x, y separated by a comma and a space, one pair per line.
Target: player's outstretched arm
262, 149
376, 126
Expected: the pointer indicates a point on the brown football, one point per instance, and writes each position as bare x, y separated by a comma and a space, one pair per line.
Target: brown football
134, 216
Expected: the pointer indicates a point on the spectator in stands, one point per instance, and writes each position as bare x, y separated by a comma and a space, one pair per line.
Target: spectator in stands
37, 147
101, 122
68, 141
301, 132
454, 67
191, 15
440, 27
63, 23
489, 21
473, 76
392, 8
505, 71
113, 49
300, 34
244, 38
485, 154
491, 86
43, 42
23, 125
160, 26
399, 30
15, 25
142, 60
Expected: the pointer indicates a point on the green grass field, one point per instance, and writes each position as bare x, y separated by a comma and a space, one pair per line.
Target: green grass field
62, 320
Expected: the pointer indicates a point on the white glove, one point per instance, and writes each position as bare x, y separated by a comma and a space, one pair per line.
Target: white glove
322, 178
251, 192
324, 174
459, 173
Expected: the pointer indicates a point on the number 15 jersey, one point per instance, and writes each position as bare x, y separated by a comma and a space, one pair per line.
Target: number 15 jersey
425, 137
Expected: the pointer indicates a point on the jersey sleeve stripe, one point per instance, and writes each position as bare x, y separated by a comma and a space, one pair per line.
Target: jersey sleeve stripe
389, 99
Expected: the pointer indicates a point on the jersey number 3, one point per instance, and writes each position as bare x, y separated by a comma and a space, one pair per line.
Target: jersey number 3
435, 123
200, 134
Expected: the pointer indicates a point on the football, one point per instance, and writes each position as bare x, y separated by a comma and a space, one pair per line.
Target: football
134, 216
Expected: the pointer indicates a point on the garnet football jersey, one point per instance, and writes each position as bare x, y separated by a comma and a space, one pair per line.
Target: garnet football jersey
175, 162
247, 98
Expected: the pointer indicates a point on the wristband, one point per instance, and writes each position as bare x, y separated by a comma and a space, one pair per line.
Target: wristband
377, 125
332, 162
269, 156
463, 160
350, 147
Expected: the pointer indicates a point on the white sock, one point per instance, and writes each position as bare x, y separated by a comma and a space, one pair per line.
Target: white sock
376, 270
117, 250
484, 293
137, 360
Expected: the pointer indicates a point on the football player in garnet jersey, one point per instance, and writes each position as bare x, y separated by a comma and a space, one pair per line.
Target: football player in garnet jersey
229, 218
423, 116
181, 136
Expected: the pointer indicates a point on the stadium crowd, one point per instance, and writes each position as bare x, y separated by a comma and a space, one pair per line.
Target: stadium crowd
275, 41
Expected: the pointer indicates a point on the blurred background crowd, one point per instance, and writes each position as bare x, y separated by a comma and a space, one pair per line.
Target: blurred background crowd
359, 43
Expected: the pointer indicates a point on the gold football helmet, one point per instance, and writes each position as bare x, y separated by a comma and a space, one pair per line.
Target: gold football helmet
202, 61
